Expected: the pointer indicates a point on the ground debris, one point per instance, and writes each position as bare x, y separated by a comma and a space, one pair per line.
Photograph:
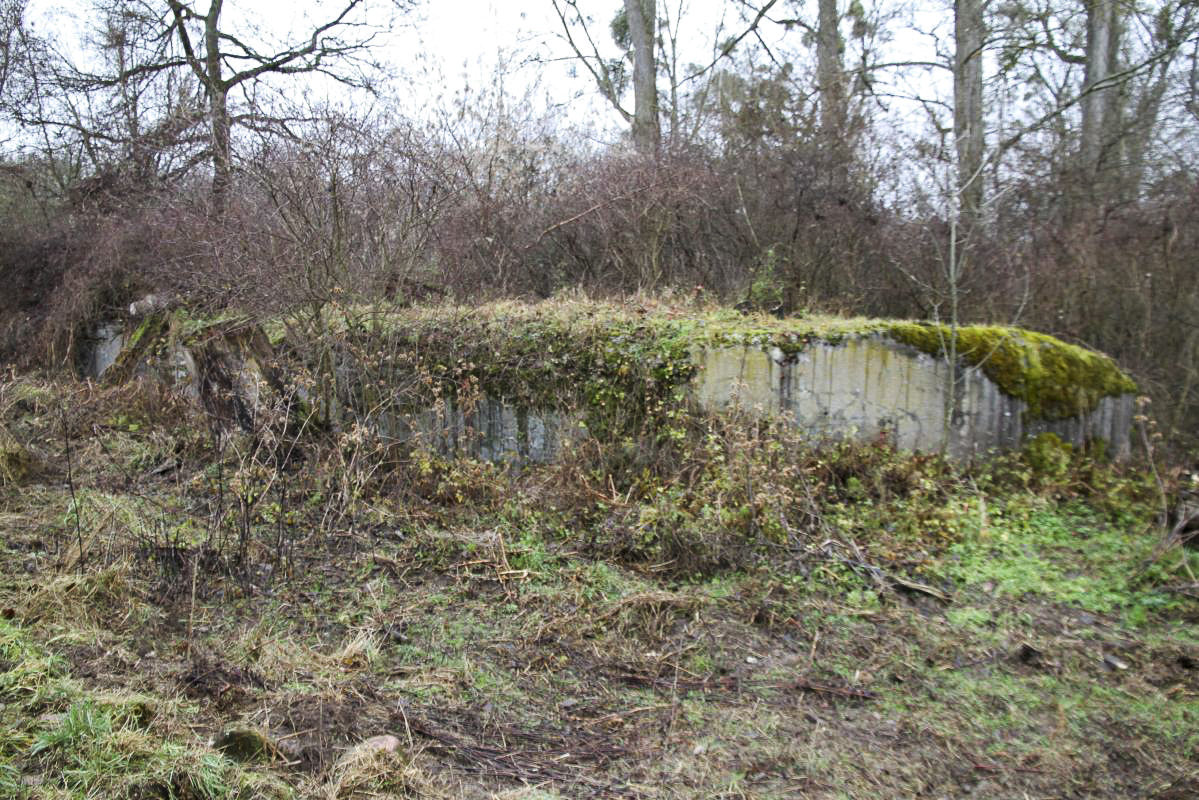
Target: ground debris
225, 684
534, 754
245, 744
732, 684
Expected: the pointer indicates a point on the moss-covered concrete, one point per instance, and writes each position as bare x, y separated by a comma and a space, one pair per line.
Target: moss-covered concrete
531, 353
623, 367
617, 366
1057, 380
145, 337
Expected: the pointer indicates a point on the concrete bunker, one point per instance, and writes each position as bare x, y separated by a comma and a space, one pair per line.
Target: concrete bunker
538, 374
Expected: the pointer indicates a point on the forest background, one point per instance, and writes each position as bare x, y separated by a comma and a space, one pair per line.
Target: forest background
1029, 162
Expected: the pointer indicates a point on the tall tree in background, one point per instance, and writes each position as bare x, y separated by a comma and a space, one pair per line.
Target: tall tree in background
11, 12
837, 89
639, 31
968, 130
830, 72
642, 18
634, 30
1124, 88
1100, 91
1096, 79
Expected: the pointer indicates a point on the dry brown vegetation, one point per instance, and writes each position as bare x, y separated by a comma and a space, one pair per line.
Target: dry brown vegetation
406, 221
189, 616
226, 600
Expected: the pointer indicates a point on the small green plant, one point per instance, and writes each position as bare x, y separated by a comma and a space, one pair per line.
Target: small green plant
1040, 550
766, 290
95, 744
968, 617
1048, 456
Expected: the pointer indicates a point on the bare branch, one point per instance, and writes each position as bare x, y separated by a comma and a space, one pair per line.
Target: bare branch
601, 74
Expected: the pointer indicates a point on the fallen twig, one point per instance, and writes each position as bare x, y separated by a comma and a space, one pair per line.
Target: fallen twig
732, 684
985, 766
615, 715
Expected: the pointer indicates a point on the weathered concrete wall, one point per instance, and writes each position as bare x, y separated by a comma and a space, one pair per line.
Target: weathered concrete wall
865, 385
489, 429
871, 386
102, 348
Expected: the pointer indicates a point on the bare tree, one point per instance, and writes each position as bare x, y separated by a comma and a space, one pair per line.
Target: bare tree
109, 112
152, 90
635, 30
841, 91
1100, 91
11, 12
223, 61
638, 30
830, 72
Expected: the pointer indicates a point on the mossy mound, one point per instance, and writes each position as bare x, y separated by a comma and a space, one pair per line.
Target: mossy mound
636, 356
603, 360
637, 359
1057, 380
536, 355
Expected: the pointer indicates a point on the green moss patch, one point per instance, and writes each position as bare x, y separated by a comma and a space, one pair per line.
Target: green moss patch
1057, 380
607, 362
142, 342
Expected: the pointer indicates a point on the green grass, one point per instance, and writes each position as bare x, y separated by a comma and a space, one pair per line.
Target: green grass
1068, 554
768, 661
84, 743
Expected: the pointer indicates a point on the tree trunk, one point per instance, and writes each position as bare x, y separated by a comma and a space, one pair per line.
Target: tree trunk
11, 15
968, 130
1138, 135
643, 15
1099, 103
218, 93
830, 73
222, 163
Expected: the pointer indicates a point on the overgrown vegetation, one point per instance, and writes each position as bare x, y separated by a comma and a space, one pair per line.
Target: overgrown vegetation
749, 198
76, 740
270, 564
733, 612
634, 361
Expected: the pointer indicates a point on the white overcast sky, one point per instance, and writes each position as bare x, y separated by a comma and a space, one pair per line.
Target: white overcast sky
445, 45
465, 41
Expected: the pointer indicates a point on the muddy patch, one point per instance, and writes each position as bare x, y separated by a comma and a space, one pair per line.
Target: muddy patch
223, 684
